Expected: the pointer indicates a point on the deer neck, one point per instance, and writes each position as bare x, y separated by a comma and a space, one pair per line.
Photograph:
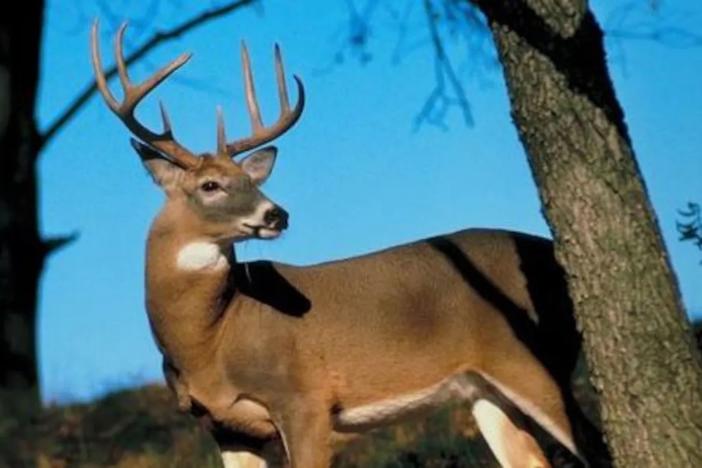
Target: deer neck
189, 286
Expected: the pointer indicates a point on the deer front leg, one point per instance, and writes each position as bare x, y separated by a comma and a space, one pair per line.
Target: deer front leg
244, 450
306, 433
242, 459
177, 385
269, 455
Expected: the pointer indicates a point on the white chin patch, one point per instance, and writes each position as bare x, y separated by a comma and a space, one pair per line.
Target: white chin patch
197, 256
265, 233
256, 225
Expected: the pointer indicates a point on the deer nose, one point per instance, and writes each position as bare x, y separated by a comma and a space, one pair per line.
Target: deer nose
276, 218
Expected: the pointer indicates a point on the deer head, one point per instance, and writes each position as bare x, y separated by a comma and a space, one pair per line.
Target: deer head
215, 195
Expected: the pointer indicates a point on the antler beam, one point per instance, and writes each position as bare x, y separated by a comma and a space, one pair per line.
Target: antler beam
287, 118
133, 94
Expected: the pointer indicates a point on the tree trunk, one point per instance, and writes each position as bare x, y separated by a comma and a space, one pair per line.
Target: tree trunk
637, 339
22, 251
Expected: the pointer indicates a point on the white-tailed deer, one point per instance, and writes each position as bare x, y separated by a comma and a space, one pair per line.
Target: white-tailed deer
273, 355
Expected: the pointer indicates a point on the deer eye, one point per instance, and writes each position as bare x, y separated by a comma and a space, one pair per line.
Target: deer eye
210, 186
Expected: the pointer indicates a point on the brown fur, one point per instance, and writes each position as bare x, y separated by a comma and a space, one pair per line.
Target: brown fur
377, 326
267, 353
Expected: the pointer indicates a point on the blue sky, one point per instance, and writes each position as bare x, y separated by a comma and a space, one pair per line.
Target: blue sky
354, 174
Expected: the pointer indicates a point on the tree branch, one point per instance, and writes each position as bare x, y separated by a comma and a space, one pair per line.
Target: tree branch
438, 102
159, 37
53, 244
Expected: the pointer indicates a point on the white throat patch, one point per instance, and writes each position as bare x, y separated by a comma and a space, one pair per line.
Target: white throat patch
201, 256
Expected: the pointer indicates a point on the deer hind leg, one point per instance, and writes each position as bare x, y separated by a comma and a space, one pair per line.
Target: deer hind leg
512, 446
523, 381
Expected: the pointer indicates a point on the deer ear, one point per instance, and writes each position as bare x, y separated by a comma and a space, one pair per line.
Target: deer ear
259, 164
162, 170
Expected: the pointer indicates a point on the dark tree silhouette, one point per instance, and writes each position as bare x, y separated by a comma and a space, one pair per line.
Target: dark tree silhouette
23, 251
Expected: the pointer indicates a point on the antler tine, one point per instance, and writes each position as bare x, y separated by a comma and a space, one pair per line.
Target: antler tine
133, 94
100, 80
119, 57
251, 102
282, 88
221, 136
287, 118
167, 130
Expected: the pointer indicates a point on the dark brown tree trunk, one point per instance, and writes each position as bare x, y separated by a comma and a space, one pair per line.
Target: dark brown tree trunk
22, 251
638, 341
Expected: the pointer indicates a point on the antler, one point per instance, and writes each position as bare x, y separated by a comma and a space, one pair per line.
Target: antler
133, 94
287, 118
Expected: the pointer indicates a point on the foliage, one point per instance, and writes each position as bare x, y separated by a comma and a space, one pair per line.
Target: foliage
137, 428
140, 428
448, 438
691, 228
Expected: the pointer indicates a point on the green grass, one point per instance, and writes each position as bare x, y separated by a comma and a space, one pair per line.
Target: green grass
135, 428
141, 428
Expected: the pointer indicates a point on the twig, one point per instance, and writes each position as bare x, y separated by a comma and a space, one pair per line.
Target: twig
56, 243
158, 38
438, 103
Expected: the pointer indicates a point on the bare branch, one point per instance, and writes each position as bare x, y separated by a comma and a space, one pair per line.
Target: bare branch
447, 20
439, 101
359, 31
676, 38
157, 39
53, 244
636, 21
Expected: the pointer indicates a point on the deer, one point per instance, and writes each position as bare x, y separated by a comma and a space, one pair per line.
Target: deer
281, 362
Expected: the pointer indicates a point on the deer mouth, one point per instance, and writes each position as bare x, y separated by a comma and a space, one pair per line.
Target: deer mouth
263, 232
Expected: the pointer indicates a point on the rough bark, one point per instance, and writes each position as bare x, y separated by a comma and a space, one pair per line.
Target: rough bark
22, 251
637, 339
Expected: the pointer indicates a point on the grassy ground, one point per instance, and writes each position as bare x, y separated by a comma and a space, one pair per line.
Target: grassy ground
140, 428
136, 428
